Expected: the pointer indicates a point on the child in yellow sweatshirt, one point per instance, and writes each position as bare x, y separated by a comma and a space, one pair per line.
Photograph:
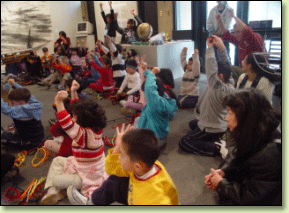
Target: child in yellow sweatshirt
136, 176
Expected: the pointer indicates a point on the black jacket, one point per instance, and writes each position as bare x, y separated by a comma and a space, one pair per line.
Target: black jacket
129, 36
112, 26
256, 182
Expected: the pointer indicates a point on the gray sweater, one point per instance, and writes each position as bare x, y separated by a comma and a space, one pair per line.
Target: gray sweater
209, 110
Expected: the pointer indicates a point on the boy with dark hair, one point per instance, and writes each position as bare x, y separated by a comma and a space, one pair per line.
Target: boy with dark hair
26, 112
34, 68
189, 95
118, 62
136, 176
210, 124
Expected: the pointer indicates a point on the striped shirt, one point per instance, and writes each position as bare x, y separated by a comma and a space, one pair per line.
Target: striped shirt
87, 146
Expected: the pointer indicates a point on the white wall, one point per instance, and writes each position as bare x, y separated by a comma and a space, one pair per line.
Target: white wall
123, 8
64, 17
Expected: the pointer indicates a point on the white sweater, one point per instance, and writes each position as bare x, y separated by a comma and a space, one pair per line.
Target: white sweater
264, 85
213, 24
133, 82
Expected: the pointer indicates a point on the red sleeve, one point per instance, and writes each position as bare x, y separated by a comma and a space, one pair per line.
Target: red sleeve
253, 38
98, 68
227, 36
101, 52
72, 101
72, 129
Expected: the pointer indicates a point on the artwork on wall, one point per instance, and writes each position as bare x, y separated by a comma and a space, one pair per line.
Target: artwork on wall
25, 24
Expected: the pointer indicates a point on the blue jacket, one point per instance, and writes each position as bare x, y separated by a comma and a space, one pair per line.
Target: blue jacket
158, 110
32, 110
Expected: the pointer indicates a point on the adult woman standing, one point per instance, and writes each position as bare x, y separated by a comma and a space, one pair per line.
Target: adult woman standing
253, 175
213, 25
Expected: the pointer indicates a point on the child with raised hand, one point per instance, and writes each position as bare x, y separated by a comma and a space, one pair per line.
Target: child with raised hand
85, 169
26, 113
210, 124
129, 34
110, 25
131, 83
142, 67
118, 62
189, 95
136, 176
159, 108
106, 82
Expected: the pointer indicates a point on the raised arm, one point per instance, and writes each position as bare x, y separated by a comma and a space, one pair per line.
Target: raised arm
196, 63
184, 58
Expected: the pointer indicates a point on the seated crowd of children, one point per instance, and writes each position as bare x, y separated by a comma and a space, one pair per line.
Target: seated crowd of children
130, 174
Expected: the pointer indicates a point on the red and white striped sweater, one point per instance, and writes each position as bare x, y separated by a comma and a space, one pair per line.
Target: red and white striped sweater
87, 146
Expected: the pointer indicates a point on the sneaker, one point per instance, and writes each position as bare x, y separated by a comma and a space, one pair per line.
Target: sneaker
53, 196
41, 84
61, 87
75, 197
223, 149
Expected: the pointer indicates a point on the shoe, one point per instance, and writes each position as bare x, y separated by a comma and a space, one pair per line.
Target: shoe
75, 197
41, 84
53, 196
128, 111
223, 150
61, 87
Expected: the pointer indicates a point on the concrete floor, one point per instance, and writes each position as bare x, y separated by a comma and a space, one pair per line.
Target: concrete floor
186, 170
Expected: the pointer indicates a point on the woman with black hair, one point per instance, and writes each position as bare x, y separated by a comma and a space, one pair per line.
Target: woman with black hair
253, 175
63, 41
256, 75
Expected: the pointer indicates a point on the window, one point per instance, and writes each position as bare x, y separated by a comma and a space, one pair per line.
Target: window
183, 15
265, 10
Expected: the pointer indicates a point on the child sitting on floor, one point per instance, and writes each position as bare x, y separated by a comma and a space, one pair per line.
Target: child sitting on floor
136, 176
85, 169
189, 95
131, 103
26, 113
118, 62
105, 83
46, 62
61, 143
131, 83
159, 108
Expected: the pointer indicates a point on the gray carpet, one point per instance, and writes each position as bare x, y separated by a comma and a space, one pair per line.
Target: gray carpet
186, 170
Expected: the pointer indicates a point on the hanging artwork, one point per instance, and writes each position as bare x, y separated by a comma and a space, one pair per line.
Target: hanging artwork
25, 24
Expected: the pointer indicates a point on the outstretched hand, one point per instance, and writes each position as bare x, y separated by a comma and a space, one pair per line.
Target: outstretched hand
218, 42
218, 16
185, 49
133, 12
155, 70
75, 86
61, 96
108, 39
119, 135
